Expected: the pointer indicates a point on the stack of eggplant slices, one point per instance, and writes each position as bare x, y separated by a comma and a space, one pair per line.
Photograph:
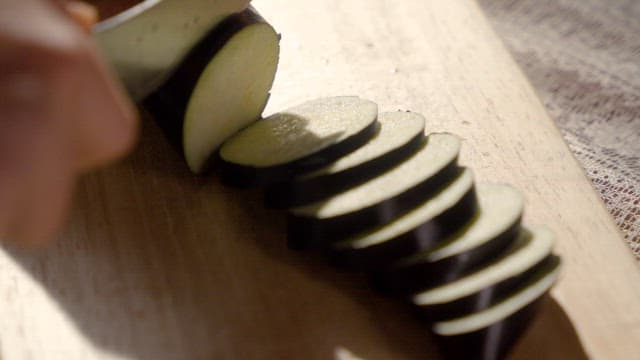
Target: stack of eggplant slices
375, 194
371, 191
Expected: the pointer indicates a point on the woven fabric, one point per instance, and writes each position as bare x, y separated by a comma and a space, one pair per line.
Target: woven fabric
583, 57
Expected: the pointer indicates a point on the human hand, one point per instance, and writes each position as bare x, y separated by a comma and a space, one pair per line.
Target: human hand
61, 114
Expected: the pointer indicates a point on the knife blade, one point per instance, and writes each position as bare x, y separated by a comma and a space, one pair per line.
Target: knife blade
146, 42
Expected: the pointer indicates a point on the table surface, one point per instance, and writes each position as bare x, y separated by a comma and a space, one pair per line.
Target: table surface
583, 58
158, 263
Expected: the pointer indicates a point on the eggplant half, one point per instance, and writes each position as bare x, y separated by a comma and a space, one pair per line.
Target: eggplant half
197, 108
302, 138
380, 200
401, 135
493, 229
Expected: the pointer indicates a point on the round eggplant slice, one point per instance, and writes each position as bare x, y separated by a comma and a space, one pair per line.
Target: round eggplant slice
414, 231
494, 342
219, 88
490, 334
490, 295
401, 135
529, 249
492, 230
379, 200
303, 138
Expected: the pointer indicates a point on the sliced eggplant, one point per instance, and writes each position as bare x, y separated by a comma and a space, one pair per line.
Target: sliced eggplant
303, 138
490, 295
493, 229
479, 287
401, 135
378, 196
379, 200
491, 333
414, 231
197, 107
146, 42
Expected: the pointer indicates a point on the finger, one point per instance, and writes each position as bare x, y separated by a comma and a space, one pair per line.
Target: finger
36, 178
45, 196
82, 13
105, 123
101, 120
44, 136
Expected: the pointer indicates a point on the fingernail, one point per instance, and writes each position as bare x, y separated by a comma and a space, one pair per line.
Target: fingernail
84, 14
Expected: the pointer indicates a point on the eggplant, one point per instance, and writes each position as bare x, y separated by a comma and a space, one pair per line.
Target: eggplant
530, 249
490, 295
492, 230
377, 201
303, 138
401, 135
414, 231
491, 333
197, 108
146, 42
374, 194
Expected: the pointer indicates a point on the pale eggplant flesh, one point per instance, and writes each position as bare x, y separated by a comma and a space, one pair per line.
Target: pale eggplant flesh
413, 220
416, 230
490, 334
145, 42
378, 201
401, 135
530, 248
303, 138
527, 261
492, 230
195, 106
490, 295
493, 342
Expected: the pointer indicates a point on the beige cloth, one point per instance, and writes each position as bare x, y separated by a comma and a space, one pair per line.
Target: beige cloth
583, 57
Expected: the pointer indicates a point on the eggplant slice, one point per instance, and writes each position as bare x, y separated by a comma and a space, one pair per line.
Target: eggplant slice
491, 295
493, 229
380, 200
197, 108
490, 334
303, 138
506, 272
401, 135
414, 231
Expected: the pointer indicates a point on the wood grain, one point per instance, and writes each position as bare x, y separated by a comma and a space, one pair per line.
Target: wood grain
158, 264
583, 58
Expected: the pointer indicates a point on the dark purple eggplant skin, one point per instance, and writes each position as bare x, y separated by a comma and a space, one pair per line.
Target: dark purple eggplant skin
246, 176
409, 277
491, 343
307, 232
421, 238
168, 104
299, 192
491, 295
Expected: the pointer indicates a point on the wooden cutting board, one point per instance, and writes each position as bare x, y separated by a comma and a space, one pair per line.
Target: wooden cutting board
159, 264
